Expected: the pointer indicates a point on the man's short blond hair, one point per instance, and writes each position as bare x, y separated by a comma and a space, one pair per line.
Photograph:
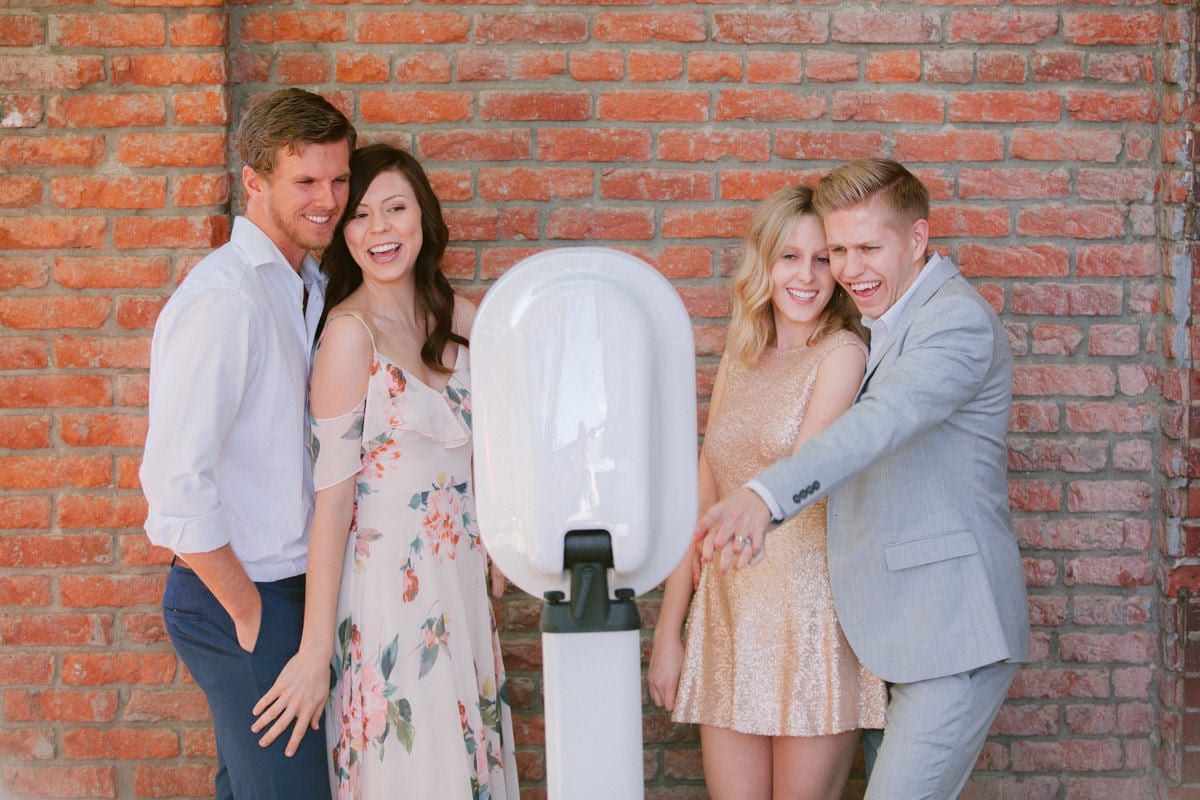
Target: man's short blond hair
857, 182
292, 119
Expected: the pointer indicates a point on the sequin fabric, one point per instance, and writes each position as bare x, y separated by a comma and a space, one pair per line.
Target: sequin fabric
764, 651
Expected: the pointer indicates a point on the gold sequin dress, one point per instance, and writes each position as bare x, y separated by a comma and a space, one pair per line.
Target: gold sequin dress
764, 651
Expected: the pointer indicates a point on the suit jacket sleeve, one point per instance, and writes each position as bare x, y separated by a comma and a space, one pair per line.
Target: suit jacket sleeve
945, 355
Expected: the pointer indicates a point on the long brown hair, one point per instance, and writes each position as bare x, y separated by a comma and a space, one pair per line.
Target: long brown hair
752, 324
434, 298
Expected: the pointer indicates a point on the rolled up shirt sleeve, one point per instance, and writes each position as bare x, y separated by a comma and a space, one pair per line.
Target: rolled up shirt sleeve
202, 359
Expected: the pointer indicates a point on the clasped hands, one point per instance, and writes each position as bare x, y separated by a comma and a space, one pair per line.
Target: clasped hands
734, 531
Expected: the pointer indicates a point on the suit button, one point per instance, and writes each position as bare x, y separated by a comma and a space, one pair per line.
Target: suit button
796, 498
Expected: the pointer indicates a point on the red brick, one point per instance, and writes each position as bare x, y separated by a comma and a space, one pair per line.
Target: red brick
534, 106
1108, 610
1117, 259
22, 30
51, 151
770, 27
1108, 788
1063, 379
1057, 65
1013, 184
692, 262
361, 68
951, 146
685, 223
1034, 495
539, 28
534, 65
534, 184
831, 67
106, 110
652, 26
59, 781
1019, 27
648, 105
828, 145
1109, 496
98, 669
25, 590
1002, 68
1026, 720
309, 25
24, 432
55, 391
891, 107
711, 67
23, 273
885, 27
712, 145
961, 220
948, 66
31, 312
125, 744
20, 110
109, 192
1065, 145
415, 107
772, 105
1124, 27
1079, 222
25, 669
1043, 455
154, 706
201, 108
106, 353
1114, 417
1075, 755
424, 67
173, 781
159, 69
564, 144
199, 29
1110, 106
597, 65
247, 67
32, 72
76, 512
1114, 340
894, 66
402, 27
742, 184
27, 744
1125, 571
594, 223
293, 68
450, 185
107, 30
1060, 683
652, 66
1005, 106
132, 312
1098, 648
20, 191
1056, 340
158, 232
144, 628
200, 190
1121, 67
49, 630
172, 149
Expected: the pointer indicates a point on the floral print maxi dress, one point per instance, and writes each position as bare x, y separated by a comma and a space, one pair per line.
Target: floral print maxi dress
419, 708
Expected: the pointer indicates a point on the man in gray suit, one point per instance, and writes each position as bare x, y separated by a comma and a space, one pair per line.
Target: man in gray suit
926, 575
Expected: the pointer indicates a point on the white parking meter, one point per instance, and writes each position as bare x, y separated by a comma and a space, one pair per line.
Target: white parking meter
584, 404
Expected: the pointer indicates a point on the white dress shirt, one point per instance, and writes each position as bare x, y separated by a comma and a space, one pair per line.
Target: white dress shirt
880, 329
226, 458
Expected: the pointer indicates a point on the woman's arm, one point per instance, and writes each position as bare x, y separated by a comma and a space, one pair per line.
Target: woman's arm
666, 657
339, 383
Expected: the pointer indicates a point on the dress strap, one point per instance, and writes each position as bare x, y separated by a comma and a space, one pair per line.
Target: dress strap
363, 322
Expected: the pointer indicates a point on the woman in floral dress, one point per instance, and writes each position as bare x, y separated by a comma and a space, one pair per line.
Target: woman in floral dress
397, 598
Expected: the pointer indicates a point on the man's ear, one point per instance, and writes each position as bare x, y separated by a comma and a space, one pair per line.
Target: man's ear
252, 181
920, 239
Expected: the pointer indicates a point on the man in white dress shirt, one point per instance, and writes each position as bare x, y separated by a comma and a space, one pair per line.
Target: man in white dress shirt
226, 470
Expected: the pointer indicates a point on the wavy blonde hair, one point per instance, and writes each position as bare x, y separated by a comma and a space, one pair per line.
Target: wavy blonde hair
752, 325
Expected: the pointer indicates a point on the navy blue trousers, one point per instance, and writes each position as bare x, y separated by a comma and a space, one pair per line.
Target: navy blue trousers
233, 680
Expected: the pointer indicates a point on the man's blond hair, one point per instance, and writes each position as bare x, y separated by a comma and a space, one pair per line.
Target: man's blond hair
292, 119
857, 182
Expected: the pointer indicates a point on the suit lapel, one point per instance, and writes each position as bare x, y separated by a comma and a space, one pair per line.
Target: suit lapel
940, 271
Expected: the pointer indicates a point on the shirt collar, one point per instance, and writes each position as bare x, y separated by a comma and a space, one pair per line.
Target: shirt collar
261, 251
888, 319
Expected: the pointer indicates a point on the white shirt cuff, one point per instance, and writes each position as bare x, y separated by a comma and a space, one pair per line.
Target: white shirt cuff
777, 514
189, 535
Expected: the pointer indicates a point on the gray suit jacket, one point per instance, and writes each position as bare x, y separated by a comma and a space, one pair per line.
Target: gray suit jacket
925, 570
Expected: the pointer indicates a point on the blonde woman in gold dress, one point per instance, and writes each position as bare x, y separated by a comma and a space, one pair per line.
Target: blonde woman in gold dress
766, 671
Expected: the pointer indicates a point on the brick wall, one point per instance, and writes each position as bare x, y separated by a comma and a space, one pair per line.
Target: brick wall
1059, 144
